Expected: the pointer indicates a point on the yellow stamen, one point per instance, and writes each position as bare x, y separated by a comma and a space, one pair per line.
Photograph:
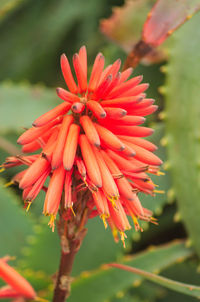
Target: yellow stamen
84, 179
160, 173
8, 184
115, 234
155, 171
151, 182
73, 211
41, 299
123, 236
159, 191
136, 223
153, 220
2, 169
28, 206
103, 217
113, 199
51, 222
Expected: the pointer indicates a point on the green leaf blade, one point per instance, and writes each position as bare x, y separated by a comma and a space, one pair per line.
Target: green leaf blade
183, 117
187, 289
104, 283
13, 232
21, 104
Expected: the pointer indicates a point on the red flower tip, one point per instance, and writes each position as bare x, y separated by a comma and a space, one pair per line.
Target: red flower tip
93, 141
18, 286
78, 107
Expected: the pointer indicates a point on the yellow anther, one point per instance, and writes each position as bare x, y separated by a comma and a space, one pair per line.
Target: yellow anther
160, 173
112, 199
189, 17
135, 221
170, 32
84, 179
73, 211
153, 218
103, 217
115, 234
28, 206
51, 222
123, 236
159, 191
154, 222
8, 184
2, 169
41, 299
149, 14
151, 182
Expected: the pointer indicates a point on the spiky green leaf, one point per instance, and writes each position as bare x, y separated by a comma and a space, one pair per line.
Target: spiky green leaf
104, 283
183, 119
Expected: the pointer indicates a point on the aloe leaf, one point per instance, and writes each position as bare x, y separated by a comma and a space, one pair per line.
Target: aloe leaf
146, 291
182, 124
125, 24
13, 231
38, 279
182, 271
8, 6
124, 27
126, 297
42, 249
104, 283
44, 243
142, 292
165, 17
33, 40
21, 104
184, 288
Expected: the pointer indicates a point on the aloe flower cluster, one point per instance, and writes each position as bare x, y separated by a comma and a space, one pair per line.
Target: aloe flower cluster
92, 142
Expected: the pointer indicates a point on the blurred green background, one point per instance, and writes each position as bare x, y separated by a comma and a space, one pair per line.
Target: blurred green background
33, 35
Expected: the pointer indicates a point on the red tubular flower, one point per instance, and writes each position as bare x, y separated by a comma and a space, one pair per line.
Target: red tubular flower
93, 141
17, 285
